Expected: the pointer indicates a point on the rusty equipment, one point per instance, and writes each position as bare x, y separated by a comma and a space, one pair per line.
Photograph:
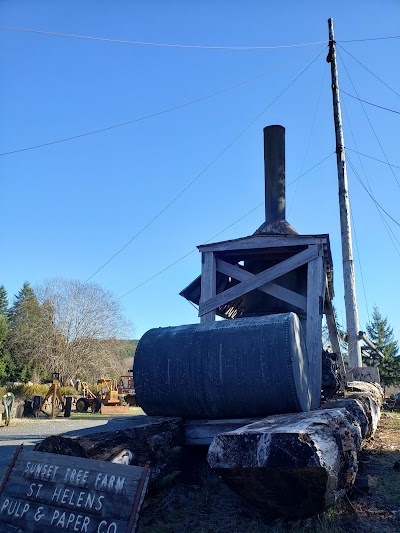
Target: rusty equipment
89, 400
53, 398
126, 390
104, 399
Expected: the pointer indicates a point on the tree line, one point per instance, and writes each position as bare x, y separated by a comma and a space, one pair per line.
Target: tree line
63, 326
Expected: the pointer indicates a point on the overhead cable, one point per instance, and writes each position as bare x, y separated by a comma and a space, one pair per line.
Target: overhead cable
191, 252
169, 45
179, 45
371, 195
374, 158
387, 227
370, 103
135, 120
309, 138
370, 39
369, 70
203, 171
370, 123
219, 233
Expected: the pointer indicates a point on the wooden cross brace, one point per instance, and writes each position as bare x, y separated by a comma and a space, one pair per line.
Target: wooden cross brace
210, 301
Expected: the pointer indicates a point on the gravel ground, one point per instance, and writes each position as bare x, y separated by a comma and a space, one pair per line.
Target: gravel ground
29, 431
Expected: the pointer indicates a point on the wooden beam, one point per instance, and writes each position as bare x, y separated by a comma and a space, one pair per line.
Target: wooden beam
267, 241
202, 432
208, 284
334, 339
316, 279
282, 293
259, 279
361, 335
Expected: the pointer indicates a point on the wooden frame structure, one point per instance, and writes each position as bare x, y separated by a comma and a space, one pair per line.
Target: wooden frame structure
309, 256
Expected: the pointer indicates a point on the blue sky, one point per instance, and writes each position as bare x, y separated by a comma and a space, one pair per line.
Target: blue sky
68, 207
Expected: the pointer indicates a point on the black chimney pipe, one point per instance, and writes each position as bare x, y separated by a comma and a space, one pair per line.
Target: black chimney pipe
274, 165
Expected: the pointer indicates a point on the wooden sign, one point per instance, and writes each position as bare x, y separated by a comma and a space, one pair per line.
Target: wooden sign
45, 492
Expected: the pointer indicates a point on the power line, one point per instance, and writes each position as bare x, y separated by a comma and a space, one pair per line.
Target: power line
371, 195
369, 70
133, 121
178, 45
370, 103
203, 171
370, 39
385, 223
374, 158
309, 138
388, 229
189, 253
370, 123
219, 233
312, 168
169, 45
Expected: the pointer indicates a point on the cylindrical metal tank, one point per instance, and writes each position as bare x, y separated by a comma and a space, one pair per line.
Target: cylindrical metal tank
242, 368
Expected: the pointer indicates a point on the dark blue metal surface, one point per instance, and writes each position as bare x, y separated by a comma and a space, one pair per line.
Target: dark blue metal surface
243, 368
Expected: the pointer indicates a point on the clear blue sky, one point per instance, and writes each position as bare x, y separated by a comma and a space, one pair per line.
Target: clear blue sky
67, 208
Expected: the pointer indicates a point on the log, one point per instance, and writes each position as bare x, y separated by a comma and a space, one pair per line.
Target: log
358, 412
294, 465
158, 440
372, 389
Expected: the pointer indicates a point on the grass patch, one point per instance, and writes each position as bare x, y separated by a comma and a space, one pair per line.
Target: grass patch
24, 391
211, 507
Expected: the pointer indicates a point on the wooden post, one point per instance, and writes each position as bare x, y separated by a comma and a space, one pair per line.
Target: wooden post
347, 248
316, 277
334, 339
208, 283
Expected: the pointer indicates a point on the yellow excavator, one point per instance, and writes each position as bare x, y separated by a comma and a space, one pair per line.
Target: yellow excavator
105, 395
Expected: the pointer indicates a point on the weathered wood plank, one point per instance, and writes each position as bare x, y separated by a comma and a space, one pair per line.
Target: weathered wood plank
263, 241
334, 340
208, 283
48, 519
315, 304
260, 279
273, 289
202, 432
48, 492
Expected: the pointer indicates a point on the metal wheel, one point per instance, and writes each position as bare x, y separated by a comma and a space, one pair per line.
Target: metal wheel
96, 405
82, 405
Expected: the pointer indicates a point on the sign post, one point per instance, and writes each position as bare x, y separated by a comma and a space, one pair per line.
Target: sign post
43, 492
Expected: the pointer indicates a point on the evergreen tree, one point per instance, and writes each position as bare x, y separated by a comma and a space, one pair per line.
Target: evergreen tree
6, 366
3, 301
381, 334
29, 330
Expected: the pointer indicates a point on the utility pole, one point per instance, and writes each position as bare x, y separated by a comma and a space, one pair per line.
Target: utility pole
350, 298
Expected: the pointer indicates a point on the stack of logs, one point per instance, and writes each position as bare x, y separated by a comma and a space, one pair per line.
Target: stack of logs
293, 465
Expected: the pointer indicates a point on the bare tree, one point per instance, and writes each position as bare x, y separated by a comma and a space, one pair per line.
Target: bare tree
87, 323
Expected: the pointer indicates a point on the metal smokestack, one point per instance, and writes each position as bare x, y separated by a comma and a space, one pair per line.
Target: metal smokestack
274, 165
275, 198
